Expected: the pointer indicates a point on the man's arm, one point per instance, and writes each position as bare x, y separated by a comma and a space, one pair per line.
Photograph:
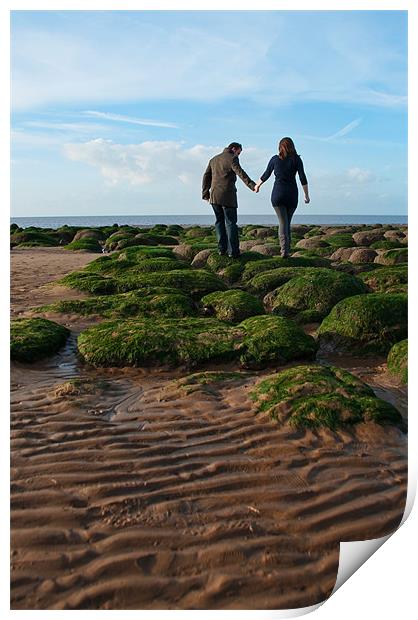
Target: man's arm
206, 183
241, 173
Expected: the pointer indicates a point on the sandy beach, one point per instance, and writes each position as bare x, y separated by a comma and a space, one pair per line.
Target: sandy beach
128, 493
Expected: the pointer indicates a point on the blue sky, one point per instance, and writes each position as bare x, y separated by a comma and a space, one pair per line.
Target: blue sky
118, 112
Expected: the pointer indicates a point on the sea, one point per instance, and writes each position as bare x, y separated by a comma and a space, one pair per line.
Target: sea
201, 220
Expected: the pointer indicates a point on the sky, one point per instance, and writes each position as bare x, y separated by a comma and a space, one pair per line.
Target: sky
118, 112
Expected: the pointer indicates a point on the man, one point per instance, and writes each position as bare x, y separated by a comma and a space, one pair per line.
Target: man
218, 187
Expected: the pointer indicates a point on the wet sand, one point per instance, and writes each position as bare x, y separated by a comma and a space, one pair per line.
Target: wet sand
128, 493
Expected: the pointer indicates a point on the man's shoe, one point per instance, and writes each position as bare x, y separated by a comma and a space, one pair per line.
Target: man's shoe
234, 255
222, 253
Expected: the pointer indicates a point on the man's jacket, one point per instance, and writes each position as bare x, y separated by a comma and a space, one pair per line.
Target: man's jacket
219, 179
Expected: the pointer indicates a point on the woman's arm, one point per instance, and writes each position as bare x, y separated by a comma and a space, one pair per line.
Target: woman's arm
265, 175
303, 179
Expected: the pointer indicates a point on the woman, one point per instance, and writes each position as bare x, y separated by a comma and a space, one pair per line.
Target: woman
284, 196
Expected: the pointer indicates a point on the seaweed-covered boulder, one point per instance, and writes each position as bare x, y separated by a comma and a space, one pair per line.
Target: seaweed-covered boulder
85, 244
386, 279
195, 232
268, 249
362, 255
201, 258
387, 244
88, 233
314, 396
365, 324
230, 269
143, 342
34, 339
94, 283
354, 268
256, 342
206, 382
195, 282
312, 243
247, 244
394, 235
153, 239
312, 296
146, 302
185, 251
233, 305
269, 264
398, 360
274, 339
367, 237
342, 254
33, 238
267, 281
392, 257
342, 240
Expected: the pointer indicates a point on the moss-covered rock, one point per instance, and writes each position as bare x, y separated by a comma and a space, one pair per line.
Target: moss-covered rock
316, 292
319, 396
362, 255
268, 264
392, 257
385, 279
312, 242
195, 282
267, 249
146, 302
398, 360
88, 282
270, 280
201, 382
343, 240
256, 342
33, 238
274, 339
143, 342
34, 339
86, 244
367, 237
88, 233
233, 306
387, 244
365, 324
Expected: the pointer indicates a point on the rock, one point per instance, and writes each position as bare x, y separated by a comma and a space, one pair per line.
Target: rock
362, 255
88, 233
34, 339
342, 254
394, 235
386, 279
201, 258
233, 306
365, 324
366, 238
392, 257
268, 249
184, 251
398, 360
312, 243
247, 245
313, 396
311, 296
256, 342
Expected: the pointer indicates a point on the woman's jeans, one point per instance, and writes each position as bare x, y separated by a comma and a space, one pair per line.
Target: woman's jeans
226, 230
285, 215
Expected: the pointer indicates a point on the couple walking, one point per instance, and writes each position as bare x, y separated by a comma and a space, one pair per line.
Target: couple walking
219, 189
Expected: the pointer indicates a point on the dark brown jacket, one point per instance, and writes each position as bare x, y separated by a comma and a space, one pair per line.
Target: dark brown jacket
220, 177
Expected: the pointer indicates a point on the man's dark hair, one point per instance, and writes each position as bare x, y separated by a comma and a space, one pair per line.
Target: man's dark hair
234, 145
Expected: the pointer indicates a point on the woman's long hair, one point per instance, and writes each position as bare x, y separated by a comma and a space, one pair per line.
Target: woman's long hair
286, 148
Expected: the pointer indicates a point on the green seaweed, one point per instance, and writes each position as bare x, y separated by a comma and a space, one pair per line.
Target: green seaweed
34, 339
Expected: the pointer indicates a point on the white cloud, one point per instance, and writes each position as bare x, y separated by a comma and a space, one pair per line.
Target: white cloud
360, 175
166, 164
345, 130
129, 119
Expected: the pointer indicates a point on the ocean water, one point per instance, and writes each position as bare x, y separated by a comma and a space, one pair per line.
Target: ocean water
202, 220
